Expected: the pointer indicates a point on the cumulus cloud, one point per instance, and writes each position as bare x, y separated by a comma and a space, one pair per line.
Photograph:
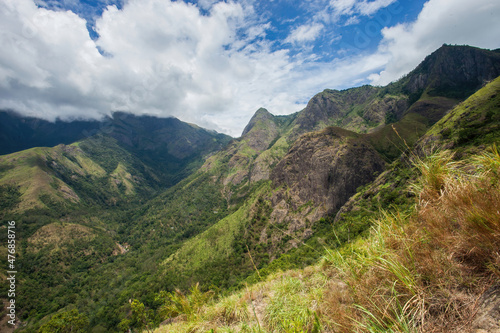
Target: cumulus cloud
212, 66
440, 21
156, 57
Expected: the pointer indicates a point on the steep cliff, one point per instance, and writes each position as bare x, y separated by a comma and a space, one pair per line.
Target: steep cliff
321, 171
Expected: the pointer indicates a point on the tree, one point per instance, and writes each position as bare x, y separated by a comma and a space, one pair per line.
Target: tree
66, 322
142, 317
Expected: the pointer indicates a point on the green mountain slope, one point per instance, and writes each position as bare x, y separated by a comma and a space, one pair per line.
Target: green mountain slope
70, 174
476, 121
75, 205
468, 127
172, 147
19, 133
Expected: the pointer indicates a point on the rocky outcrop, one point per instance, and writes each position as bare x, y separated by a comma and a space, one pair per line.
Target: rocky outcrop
242, 157
330, 107
376, 112
327, 167
319, 174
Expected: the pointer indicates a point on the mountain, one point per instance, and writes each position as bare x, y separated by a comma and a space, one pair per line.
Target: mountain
147, 205
172, 147
476, 121
74, 201
131, 156
453, 72
20, 133
169, 145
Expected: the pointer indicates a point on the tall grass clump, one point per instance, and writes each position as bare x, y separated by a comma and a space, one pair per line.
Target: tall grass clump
424, 271
293, 305
177, 303
436, 170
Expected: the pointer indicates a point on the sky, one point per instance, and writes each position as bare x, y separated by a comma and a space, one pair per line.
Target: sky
214, 63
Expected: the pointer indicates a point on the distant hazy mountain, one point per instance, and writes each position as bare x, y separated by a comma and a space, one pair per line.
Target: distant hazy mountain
18, 132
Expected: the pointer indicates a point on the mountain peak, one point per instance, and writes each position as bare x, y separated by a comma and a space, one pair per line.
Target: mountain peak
262, 114
261, 130
454, 71
259, 115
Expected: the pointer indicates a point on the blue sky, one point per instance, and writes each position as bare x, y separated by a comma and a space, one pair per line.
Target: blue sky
214, 63
314, 27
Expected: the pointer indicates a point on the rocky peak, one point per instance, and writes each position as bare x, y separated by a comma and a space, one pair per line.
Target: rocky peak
330, 107
453, 71
261, 115
261, 130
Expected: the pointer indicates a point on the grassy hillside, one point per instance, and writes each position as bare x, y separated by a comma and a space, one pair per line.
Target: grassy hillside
66, 175
476, 121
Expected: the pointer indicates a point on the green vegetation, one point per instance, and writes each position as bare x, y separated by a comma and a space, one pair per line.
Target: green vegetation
219, 255
66, 322
9, 198
474, 122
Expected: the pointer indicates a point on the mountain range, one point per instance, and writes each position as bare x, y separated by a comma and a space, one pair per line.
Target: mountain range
129, 206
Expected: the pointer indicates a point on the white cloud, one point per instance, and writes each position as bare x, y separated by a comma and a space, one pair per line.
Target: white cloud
371, 7
305, 33
353, 8
343, 7
441, 21
213, 68
165, 58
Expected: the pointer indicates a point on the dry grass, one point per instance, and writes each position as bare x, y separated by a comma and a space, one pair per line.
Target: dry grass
425, 272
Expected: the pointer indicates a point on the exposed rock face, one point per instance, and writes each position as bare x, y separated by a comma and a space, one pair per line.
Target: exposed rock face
376, 111
242, 154
327, 167
438, 72
330, 106
319, 174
